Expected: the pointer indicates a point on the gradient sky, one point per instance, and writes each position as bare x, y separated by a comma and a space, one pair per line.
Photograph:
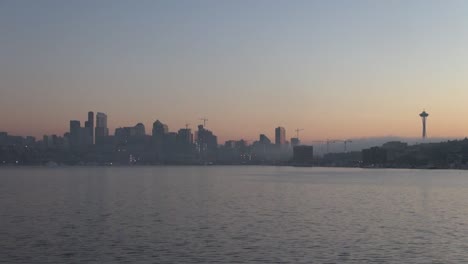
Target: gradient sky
338, 69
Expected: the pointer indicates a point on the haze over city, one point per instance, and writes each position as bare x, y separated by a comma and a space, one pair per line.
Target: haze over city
337, 69
233, 131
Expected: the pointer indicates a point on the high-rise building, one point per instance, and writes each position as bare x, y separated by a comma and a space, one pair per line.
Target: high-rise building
89, 125
169, 146
101, 122
74, 126
184, 144
139, 130
264, 139
130, 135
75, 133
82, 136
101, 130
207, 143
159, 129
185, 136
280, 136
159, 133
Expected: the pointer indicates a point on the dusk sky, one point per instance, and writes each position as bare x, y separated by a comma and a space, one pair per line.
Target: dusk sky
338, 69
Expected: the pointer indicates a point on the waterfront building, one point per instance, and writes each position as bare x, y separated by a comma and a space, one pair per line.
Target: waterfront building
280, 136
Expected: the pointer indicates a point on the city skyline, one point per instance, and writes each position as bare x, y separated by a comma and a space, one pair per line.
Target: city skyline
334, 69
96, 132
97, 121
92, 144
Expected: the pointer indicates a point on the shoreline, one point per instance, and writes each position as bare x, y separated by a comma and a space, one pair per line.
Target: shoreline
220, 165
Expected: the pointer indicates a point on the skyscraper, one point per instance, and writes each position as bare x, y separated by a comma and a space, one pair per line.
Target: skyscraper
101, 121
185, 136
207, 143
101, 129
139, 130
264, 139
89, 125
75, 133
280, 136
74, 126
130, 135
159, 129
185, 145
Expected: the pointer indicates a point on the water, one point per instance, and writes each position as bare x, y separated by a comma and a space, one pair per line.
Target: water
232, 215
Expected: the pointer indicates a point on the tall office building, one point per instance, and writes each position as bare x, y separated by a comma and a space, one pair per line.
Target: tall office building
81, 137
101, 130
207, 142
280, 136
159, 133
139, 130
185, 136
264, 139
89, 125
159, 129
75, 133
74, 126
130, 135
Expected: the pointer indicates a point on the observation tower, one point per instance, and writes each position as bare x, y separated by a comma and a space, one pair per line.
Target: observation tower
424, 116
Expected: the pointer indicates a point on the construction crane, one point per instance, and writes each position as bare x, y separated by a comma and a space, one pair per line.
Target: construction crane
204, 121
327, 142
321, 142
345, 142
297, 132
330, 141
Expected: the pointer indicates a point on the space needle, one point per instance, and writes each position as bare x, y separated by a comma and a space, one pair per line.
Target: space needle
424, 116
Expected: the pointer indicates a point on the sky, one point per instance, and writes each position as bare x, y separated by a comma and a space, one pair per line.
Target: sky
337, 69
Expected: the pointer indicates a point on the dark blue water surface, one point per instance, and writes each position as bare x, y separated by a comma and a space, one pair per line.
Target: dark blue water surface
232, 215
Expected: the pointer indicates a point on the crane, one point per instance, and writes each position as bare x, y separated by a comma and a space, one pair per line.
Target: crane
297, 132
346, 141
204, 121
329, 141
321, 142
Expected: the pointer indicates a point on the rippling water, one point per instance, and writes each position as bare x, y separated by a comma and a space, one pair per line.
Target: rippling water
232, 215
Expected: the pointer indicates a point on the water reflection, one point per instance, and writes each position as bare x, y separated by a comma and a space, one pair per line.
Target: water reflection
232, 214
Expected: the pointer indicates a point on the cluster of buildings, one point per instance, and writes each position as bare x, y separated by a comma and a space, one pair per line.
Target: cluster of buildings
451, 154
91, 143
